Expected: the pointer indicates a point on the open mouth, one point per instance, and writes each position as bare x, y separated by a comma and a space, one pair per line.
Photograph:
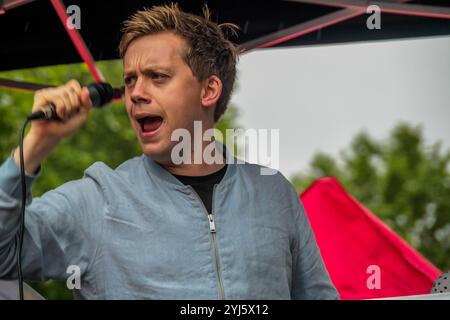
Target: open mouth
150, 123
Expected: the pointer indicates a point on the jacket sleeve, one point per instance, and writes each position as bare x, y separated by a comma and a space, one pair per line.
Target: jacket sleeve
310, 278
59, 226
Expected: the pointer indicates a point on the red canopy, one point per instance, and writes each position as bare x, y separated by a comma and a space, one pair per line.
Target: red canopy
355, 245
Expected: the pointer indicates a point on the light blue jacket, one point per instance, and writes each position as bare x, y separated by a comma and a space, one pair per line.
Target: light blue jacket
136, 232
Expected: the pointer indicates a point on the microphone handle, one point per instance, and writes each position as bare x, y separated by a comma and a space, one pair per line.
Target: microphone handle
48, 112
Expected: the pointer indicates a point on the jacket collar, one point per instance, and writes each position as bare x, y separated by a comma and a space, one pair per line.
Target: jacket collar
155, 169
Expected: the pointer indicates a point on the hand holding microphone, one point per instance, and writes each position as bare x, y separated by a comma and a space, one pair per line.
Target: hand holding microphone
68, 107
70, 104
99, 94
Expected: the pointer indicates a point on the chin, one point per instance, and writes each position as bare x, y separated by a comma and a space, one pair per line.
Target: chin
158, 151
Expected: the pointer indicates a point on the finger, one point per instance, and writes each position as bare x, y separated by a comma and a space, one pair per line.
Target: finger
39, 99
85, 98
74, 88
74, 99
74, 85
54, 97
69, 107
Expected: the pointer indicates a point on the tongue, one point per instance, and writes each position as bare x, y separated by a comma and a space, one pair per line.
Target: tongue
152, 123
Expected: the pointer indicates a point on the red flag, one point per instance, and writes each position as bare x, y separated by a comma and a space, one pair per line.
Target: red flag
364, 257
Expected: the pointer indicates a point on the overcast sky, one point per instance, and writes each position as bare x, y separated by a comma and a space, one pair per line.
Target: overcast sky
319, 97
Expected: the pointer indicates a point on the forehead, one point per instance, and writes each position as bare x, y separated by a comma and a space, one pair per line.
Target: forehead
161, 49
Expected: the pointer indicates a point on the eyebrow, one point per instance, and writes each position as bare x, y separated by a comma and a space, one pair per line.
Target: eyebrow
148, 69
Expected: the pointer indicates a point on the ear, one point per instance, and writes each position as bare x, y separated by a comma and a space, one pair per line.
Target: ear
212, 89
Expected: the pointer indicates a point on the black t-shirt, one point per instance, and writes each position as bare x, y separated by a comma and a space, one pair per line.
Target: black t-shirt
204, 185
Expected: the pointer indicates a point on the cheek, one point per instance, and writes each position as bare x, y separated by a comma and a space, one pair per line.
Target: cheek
130, 118
128, 110
185, 103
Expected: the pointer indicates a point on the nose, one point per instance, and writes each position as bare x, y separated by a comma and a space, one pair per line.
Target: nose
139, 94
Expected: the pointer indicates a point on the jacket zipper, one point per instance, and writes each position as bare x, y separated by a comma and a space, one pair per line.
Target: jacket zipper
212, 231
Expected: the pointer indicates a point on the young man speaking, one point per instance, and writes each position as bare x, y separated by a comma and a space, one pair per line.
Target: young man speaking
151, 228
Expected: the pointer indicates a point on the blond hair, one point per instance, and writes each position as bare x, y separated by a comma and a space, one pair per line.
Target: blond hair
208, 51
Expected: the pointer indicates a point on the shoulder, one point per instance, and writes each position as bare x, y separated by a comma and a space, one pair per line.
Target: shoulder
123, 174
267, 180
262, 174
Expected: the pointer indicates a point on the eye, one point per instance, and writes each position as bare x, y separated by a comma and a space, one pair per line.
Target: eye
158, 76
129, 81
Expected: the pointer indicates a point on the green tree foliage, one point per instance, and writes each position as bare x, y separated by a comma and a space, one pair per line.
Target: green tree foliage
106, 137
402, 180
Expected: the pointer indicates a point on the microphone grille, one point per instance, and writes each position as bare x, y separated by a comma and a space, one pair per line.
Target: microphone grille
100, 93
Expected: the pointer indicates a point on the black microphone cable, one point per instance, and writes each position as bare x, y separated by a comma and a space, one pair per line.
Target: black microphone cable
22, 209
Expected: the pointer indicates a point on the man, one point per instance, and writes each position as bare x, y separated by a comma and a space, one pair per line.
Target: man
152, 228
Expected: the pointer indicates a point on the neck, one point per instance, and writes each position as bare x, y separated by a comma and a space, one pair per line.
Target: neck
191, 168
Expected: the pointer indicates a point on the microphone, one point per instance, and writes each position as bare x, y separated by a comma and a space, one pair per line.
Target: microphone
100, 94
